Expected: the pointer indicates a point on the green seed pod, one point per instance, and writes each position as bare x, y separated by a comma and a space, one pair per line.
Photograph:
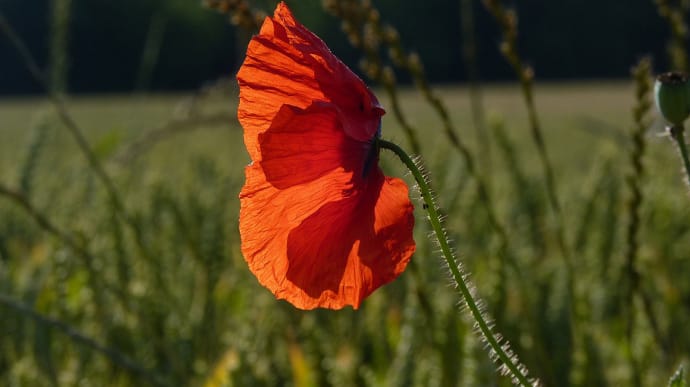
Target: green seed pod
672, 95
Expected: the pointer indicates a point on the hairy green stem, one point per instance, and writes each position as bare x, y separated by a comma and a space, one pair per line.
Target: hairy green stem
517, 371
679, 137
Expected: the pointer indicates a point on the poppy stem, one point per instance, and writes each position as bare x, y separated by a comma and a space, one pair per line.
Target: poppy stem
498, 351
679, 137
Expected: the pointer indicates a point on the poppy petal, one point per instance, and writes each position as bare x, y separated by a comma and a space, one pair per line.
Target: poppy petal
302, 145
287, 64
346, 250
270, 78
313, 231
320, 224
338, 254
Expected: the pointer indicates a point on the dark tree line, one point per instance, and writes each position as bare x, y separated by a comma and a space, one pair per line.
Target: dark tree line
187, 44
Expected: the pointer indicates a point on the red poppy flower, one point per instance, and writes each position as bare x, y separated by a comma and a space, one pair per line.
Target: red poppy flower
320, 224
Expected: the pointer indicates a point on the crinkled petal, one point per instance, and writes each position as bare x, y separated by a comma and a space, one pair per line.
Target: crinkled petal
303, 145
320, 224
286, 64
340, 253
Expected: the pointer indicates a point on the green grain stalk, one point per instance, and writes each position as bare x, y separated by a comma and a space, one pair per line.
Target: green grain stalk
59, 45
114, 356
675, 13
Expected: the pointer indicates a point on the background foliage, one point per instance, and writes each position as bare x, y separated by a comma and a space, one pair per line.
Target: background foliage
119, 252
564, 39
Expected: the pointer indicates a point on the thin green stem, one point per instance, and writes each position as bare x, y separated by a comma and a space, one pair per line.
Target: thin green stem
509, 360
79, 248
679, 137
59, 104
469, 55
74, 129
116, 357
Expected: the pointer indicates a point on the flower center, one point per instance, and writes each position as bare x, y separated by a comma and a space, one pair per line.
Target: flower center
372, 155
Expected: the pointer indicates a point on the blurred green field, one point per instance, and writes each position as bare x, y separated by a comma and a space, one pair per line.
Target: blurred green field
160, 294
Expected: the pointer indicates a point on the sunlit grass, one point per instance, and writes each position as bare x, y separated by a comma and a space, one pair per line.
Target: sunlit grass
173, 294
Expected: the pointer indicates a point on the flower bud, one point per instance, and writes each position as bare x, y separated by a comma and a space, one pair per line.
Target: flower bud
672, 95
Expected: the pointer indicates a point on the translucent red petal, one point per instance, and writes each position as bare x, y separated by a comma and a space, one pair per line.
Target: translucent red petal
287, 64
320, 225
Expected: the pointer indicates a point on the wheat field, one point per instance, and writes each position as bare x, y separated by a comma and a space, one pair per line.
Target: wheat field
142, 282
